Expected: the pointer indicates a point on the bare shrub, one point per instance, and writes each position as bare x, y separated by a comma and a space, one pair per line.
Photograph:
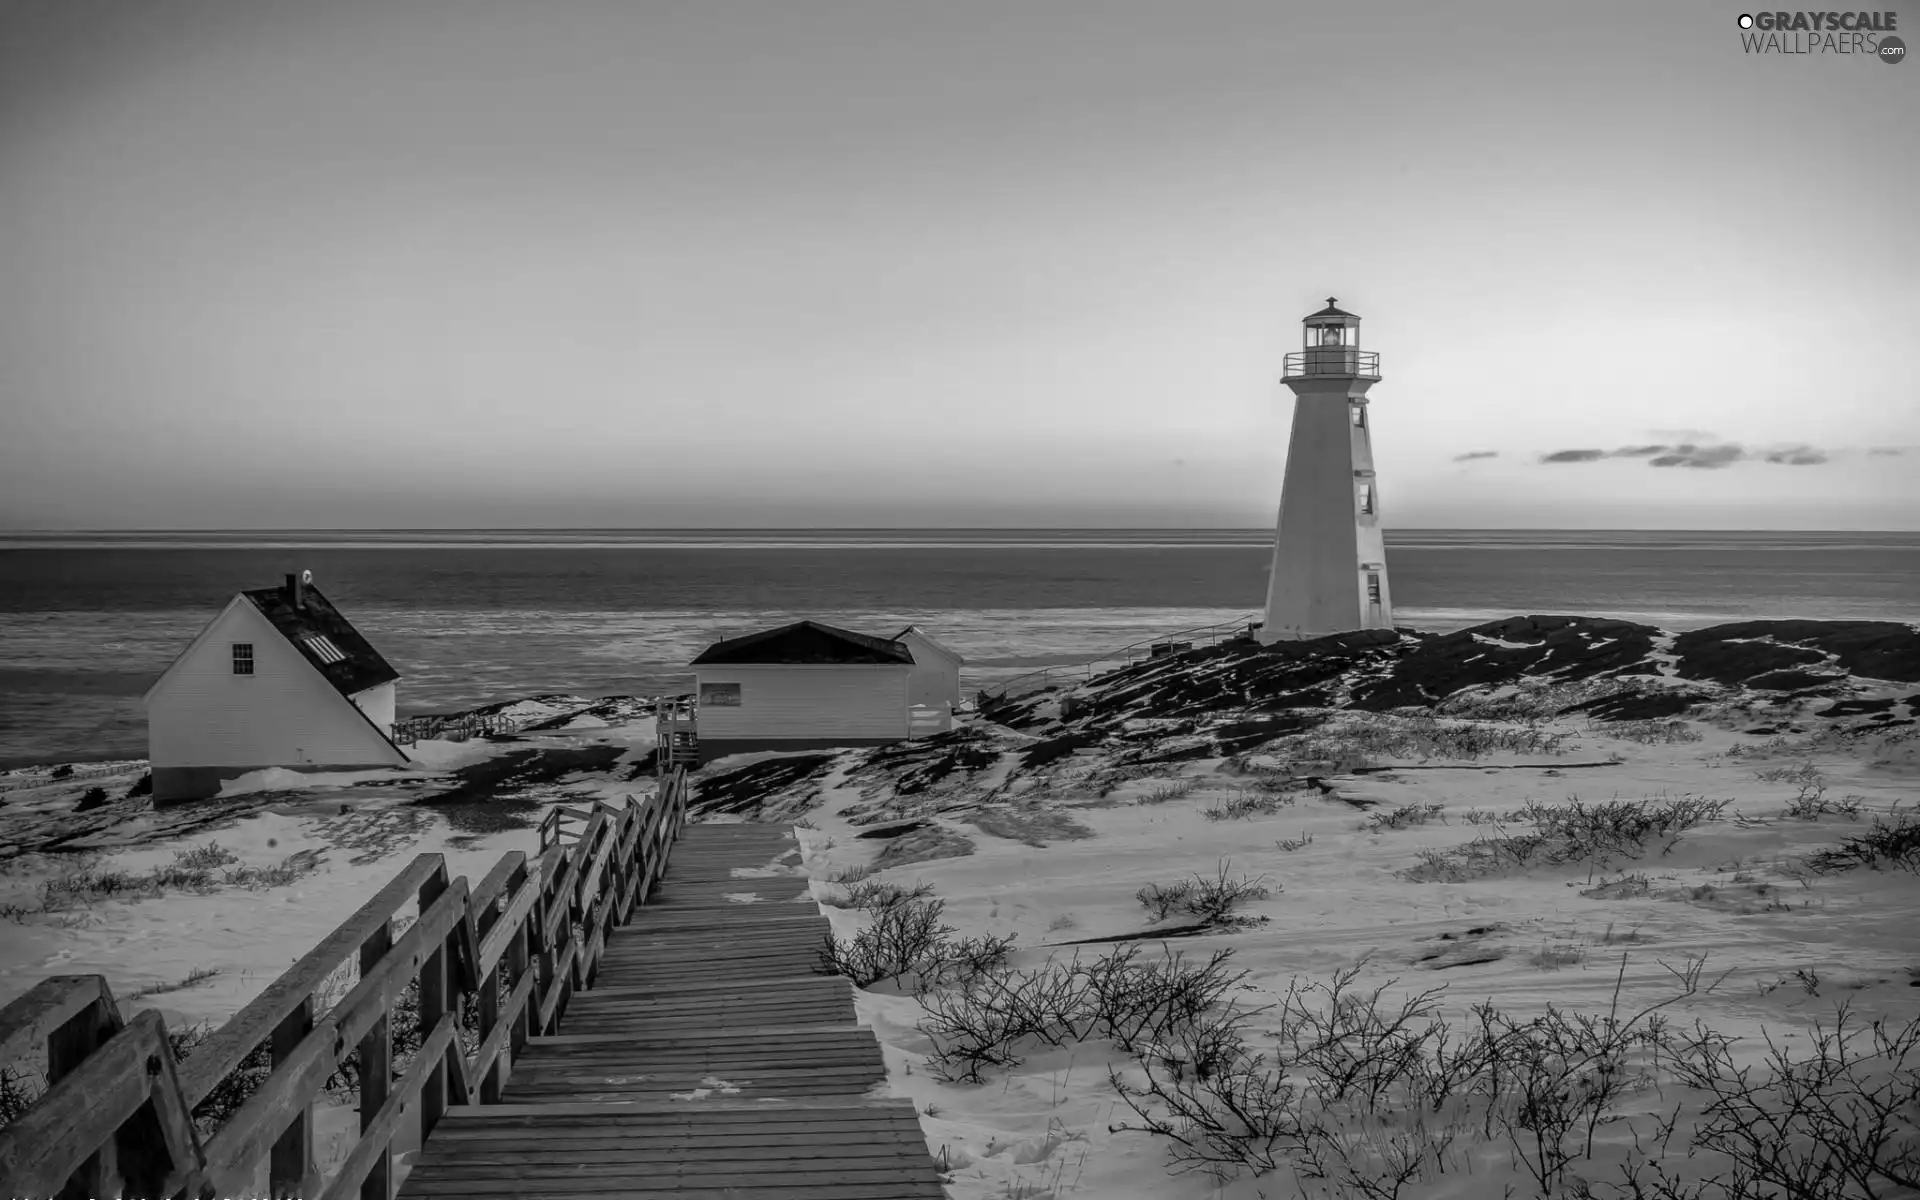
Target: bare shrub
1812, 804
1893, 840
1361, 739
1837, 1120
1574, 832
908, 941
995, 1016
873, 895
1370, 1096
1648, 733
1166, 792
1404, 817
1243, 804
1208, 900
1803, 773
904, 939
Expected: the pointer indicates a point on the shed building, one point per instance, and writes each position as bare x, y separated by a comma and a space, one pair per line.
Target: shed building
279, 678
802, 686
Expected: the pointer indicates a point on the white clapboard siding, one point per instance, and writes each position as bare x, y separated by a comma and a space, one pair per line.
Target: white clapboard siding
808, 701
284, 714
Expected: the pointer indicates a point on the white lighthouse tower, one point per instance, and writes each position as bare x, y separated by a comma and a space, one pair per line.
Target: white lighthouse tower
1329, 563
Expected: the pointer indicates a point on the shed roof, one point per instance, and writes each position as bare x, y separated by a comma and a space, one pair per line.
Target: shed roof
805, 642
930, 640
326, 638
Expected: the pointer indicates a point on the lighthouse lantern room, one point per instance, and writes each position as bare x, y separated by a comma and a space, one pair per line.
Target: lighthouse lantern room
1329, 562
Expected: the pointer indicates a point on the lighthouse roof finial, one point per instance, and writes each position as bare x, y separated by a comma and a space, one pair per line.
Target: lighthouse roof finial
1333, 310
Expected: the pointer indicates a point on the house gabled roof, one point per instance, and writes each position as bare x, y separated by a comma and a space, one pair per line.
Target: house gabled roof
933, 641
805, 642
324, 637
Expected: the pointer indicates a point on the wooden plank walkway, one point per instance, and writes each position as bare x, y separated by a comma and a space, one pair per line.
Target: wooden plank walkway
707, 1060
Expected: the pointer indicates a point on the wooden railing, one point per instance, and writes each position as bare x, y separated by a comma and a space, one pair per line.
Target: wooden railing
408, 730
117, 1116
18, 783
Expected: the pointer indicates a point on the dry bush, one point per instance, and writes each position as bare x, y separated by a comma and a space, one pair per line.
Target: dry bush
1574, 832
1835, 1121
1647, 733
873, 895
1893, 840
1812, 804
907, 940
994, 1017
1209, 901
1177, 790
1368, 1097
1362, 739
1404, 817
1243, 804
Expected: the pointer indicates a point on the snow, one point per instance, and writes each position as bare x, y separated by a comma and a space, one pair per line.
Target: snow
1046, 1127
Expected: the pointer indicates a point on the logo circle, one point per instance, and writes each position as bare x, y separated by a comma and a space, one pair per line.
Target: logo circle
1746, 20
1892, 50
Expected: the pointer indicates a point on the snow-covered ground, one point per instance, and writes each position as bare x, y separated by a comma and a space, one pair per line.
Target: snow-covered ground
1066, 827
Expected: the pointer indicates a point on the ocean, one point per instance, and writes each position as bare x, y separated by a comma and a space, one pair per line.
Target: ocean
88, 621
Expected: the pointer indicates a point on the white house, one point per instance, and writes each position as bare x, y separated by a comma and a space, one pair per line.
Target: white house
278, 679
803, 686
936, 670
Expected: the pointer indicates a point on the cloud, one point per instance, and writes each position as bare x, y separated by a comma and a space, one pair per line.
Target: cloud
1887, 451
1701, 456
1705, 458
1471, 455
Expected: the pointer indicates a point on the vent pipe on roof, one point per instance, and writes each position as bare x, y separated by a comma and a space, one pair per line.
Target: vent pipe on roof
296, 594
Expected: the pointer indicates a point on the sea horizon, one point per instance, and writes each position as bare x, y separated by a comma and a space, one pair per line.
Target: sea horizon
832, 537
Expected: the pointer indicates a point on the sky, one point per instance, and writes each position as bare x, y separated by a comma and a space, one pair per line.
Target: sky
464, 263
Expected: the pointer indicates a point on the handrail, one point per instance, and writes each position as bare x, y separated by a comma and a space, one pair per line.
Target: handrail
1332, 361
408, 730
1004, 688
518, 945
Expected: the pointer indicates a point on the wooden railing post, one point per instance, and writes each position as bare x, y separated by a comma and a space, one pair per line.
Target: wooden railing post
67, 1047
518, 964
376, 1069
292, 1157
433, 1006
491, 1073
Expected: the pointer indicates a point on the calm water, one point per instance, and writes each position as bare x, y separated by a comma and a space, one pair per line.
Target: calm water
88, 621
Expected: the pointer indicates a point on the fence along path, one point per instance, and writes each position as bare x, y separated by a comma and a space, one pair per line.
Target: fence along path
707, 1060
496, 966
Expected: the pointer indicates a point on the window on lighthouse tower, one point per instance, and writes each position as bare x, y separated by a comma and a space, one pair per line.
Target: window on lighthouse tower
1366, 498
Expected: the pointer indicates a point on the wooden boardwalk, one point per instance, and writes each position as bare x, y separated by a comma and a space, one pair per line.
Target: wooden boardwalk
707, 1059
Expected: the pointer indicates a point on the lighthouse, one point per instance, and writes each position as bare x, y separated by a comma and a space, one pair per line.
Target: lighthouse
1329, 563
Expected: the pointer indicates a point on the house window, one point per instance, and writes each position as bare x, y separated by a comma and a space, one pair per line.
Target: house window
1373, 588
719, 695
1366, 498
324, 649
243, 658
1359, 414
